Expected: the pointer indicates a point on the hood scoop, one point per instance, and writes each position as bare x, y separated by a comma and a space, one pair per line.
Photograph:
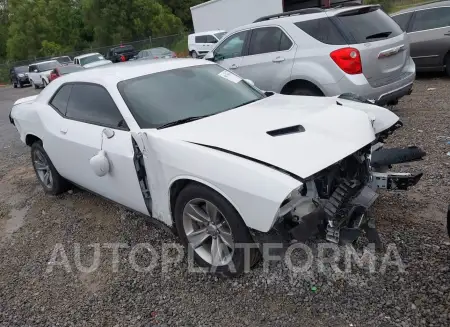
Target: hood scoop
287, 130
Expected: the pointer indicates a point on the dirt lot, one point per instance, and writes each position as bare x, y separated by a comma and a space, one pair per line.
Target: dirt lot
32, 224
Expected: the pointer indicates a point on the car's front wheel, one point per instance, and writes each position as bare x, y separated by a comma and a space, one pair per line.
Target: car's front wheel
212, 228
46, 173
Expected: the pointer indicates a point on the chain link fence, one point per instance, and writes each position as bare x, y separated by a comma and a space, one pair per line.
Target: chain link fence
176, 43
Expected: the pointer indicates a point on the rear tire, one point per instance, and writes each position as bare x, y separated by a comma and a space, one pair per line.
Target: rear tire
44, 83
305, 91
46, 173
34, 85
194, 54
15, 85
198, 196
447, 65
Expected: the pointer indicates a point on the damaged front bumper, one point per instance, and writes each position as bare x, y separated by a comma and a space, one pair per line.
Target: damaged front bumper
342, 217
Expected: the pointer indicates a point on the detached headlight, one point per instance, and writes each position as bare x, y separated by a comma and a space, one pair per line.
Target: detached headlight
21, 75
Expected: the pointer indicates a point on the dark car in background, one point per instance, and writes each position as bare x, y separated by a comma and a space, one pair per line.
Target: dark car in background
155, 53
121, 53
428, 29
63, 60
19, 76
64, 70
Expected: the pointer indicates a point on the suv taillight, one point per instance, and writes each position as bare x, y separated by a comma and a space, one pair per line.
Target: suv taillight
348, 59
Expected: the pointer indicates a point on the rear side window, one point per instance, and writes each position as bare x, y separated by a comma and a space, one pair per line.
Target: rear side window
92, 104
323, 30
200, 39
403, 20
431, 18
268, 39
61, 98
368, 24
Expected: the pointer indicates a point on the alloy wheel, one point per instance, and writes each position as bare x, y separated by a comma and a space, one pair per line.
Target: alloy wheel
208, 232
42, 168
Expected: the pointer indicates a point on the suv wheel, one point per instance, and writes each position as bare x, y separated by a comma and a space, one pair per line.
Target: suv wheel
306, 91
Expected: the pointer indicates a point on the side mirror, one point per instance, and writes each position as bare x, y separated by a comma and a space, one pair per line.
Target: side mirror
109, 133
36, 71
209, 56
249, 81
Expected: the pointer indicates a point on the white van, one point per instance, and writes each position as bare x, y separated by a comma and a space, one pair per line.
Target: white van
200, 44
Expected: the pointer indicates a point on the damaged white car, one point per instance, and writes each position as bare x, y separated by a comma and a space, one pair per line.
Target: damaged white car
208, 154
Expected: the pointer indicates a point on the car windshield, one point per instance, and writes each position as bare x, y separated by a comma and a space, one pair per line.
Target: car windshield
48, 66
220, 35
123, 49
21, 69
63, 60
90, 59
69, 69
161, 98
160, 51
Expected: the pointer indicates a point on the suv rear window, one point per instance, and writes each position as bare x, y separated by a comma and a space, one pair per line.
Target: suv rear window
368, 24
322, 30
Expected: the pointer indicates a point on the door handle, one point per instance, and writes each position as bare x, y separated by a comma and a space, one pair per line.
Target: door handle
233, 66
278, 59
63, 130
447, 34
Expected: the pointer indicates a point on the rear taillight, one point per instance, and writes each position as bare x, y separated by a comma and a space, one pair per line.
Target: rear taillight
348, 59
155, 57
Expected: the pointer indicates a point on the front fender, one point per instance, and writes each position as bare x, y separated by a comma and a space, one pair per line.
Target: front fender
256, 191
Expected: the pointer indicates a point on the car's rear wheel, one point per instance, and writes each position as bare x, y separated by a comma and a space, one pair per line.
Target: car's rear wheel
46, 173
34, 85
44, 83
194, 54
20, 84
211, 227
14, 84
306, 91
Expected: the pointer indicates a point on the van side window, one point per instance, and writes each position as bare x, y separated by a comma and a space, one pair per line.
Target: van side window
200, 39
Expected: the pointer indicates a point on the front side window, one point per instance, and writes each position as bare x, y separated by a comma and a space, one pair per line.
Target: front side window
210, 39
268, 39
92, 103
61, 98
232, 47
431, 18
220, 35
201, 90
32, 68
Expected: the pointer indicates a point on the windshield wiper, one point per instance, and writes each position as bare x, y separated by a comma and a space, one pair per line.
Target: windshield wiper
378, 35
245, 103
182, 121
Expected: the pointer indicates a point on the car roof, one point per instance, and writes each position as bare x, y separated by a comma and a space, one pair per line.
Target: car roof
115, 73
42, 62
433, 4
88, 55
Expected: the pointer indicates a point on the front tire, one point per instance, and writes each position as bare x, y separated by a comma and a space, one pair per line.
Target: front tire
46, 173
208, 224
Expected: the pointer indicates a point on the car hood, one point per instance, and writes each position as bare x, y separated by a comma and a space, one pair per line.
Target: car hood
98, 63
301, 135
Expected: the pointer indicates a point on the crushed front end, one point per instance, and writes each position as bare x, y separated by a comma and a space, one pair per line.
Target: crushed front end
335, 201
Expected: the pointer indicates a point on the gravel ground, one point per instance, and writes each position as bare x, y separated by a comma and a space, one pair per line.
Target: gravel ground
32, 224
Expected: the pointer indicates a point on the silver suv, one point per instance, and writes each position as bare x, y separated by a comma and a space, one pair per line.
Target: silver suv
357, 49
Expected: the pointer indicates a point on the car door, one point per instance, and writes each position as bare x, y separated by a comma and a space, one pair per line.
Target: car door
32, 74
210, 42
270, 57
90, 110
429, 35
229, 53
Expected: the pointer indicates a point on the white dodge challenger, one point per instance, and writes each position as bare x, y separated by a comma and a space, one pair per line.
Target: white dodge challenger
210, 155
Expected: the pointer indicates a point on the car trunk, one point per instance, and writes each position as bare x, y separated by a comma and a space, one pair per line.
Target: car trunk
382, 44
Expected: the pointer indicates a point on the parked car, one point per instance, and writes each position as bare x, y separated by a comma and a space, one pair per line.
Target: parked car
64, 70
91, 60
63, 60
155, 53
200, 44
121, 53
357, 49
39, 73
19, 76
198, 160
428, 28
